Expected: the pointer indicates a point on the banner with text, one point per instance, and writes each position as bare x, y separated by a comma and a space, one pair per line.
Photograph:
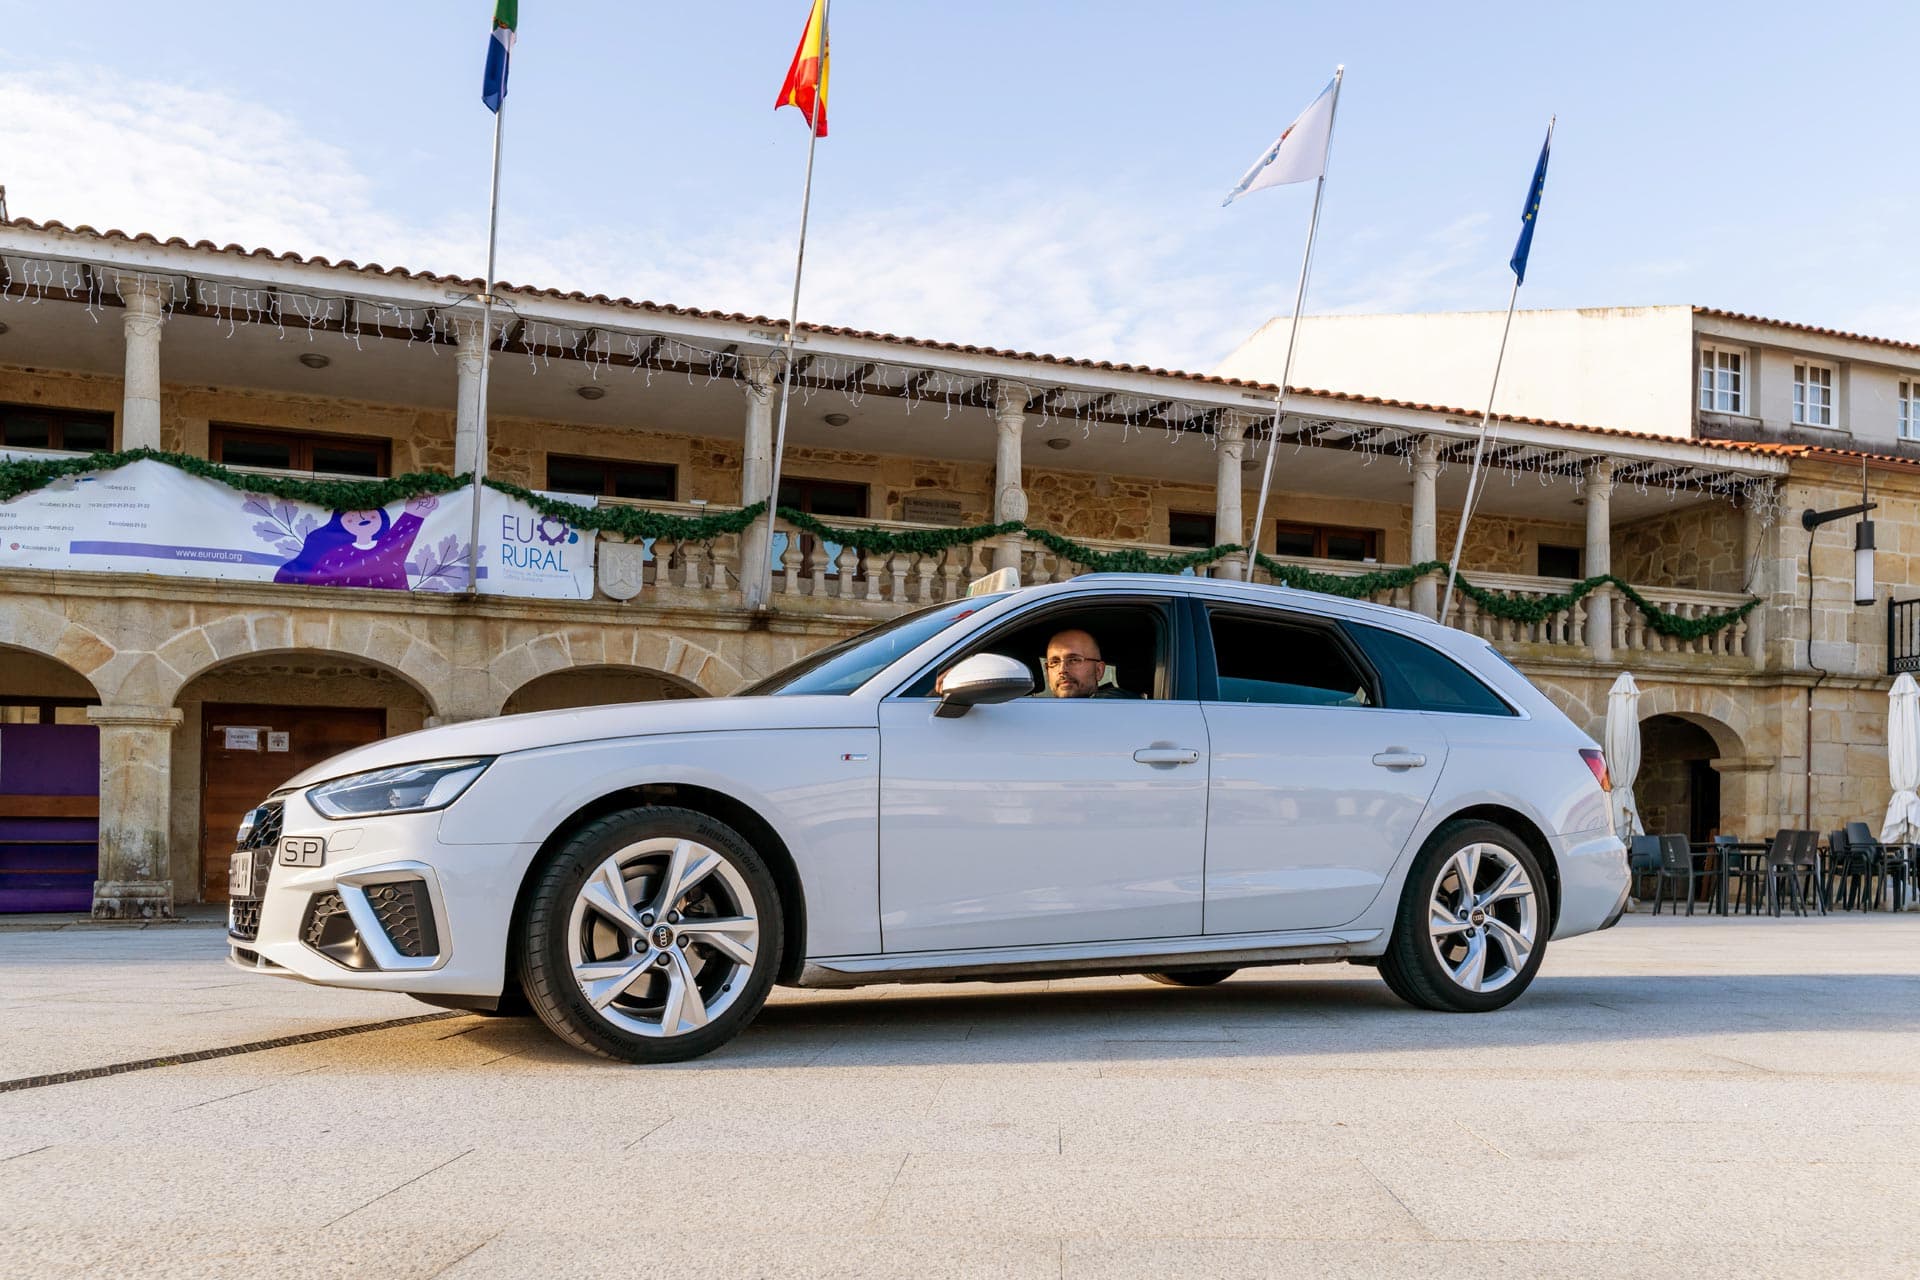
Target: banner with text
148, 517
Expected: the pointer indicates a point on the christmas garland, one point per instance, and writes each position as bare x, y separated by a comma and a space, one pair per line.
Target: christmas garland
1514, 608
638, 523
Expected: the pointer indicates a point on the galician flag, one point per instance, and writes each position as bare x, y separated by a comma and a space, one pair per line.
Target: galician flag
806, 83
1299, 155
493, 87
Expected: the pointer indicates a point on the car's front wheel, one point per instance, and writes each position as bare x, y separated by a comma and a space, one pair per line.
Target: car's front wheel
650, 935
1473, 922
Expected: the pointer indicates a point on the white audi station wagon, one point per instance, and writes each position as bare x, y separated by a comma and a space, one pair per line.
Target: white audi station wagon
1238, 775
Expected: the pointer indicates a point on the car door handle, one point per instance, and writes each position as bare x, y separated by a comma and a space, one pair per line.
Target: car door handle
1166, 755
1399, 758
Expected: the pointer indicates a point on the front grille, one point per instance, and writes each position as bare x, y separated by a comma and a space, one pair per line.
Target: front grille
243, 914
272, 816
243, 920
406, 916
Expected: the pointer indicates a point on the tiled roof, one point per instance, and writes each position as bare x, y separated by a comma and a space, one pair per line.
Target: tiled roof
601, 299
668, 309
1806, 328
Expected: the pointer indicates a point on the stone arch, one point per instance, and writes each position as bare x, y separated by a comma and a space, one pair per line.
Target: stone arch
1714, 716
663, 653
27, 675
1704, 707
597, 685
35, 629
377, 642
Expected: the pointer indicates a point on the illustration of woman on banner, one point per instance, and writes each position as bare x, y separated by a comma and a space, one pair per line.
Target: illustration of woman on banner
359, 549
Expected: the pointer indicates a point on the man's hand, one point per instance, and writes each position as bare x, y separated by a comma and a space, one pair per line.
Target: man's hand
422, 505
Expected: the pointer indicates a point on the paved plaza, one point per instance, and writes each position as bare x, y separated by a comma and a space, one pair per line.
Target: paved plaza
1673, 1098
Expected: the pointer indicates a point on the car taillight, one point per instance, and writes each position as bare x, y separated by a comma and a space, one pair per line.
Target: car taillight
1597, 761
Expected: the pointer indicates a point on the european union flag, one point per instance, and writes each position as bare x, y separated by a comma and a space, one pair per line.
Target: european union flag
1530, 213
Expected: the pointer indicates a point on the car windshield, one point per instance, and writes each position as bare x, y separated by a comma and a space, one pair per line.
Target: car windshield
842, 668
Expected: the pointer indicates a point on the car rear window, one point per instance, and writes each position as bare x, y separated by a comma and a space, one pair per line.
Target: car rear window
1416, 677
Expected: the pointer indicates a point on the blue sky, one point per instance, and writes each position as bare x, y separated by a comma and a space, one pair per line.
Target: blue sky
1041, 176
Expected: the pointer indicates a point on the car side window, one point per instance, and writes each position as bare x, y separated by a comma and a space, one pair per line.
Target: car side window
1106, 651
1271, 660
1416, 677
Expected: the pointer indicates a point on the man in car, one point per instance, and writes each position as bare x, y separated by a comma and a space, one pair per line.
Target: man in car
1074, 667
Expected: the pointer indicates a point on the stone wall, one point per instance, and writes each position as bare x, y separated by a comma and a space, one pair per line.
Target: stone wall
1700, 548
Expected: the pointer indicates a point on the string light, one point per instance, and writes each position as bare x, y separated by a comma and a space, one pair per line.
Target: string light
852, 378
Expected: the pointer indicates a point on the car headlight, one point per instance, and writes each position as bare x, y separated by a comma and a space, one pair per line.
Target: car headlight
407, 788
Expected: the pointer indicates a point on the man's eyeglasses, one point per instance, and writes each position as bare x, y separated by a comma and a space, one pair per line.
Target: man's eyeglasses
1066, 660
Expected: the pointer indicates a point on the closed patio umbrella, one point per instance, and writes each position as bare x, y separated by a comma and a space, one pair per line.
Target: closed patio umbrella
1622, 745
1903, 763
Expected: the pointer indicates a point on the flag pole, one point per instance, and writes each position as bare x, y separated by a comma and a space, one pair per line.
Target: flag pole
1293, 331
757, 592
1480, 441
486, 357
1479, 447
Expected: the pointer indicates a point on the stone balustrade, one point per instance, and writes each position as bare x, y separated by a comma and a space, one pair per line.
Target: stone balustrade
845, 579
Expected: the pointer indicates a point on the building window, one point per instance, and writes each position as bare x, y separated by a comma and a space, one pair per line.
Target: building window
1558, 562
1910, 410
1722, 381
1190, 529
652, 481
823, 497
1326, 542
240, 446
24, 426
1812, 395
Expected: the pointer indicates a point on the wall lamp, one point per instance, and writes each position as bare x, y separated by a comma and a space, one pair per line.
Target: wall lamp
1862, 539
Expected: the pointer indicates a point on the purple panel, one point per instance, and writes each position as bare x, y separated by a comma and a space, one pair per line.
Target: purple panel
49, 760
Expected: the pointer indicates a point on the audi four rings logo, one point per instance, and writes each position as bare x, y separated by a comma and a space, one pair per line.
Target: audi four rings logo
662, 937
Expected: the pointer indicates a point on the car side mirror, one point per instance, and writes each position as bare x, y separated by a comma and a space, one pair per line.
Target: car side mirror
982, 679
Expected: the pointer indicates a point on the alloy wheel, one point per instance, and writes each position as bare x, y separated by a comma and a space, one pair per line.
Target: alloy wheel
662, 937
1484, 917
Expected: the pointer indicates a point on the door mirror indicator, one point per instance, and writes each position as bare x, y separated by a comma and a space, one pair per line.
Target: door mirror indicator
980, 680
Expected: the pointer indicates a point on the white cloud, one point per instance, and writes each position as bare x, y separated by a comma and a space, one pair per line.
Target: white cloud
1023, 268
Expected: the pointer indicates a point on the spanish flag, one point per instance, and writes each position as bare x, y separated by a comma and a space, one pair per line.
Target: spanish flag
806, 85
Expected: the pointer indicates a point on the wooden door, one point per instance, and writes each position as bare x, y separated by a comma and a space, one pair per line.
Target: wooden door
240, 766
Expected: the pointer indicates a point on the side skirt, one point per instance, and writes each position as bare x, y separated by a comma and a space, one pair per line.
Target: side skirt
1088, 959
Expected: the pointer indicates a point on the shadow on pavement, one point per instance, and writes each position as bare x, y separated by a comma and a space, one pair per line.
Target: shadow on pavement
1268, 1017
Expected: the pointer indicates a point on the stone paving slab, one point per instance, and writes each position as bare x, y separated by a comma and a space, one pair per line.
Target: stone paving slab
1674, 1098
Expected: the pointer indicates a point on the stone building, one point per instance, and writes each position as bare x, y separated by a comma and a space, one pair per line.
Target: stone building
199, 694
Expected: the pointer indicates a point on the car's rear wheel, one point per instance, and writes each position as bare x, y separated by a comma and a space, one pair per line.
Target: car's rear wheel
650, 935
1473, 922
1192, 977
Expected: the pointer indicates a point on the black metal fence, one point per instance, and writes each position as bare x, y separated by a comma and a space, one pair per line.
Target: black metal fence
1903, 636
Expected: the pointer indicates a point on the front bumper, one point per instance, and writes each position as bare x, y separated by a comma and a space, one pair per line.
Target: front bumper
389, 908
1593, 882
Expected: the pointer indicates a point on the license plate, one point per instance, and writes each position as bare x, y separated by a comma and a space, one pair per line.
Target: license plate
302, 851
240, 874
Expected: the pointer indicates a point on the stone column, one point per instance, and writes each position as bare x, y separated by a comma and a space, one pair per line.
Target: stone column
756, 480
136, 757
1600, 557
140, 408
466, 421
1229, 522
1757, 576
1426, 522
1009, 498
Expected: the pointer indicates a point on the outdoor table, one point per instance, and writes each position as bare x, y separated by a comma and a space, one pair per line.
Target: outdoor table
1724, 856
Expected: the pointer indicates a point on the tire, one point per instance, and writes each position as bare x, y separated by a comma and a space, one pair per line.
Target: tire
1191, 977
621, 965
1496, 941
